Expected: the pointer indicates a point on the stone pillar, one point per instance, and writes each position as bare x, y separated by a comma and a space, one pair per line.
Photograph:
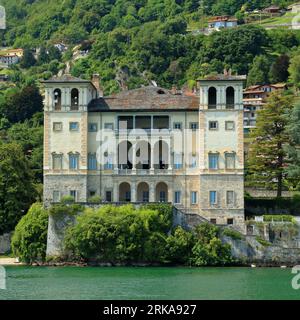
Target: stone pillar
152, 159
133, 192
134, 157
116, 192
170, 167
152, 192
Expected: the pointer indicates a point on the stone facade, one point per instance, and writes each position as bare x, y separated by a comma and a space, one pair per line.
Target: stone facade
84, 138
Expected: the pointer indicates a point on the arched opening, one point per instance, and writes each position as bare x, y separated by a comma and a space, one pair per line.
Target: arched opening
124, 192
57, 99
212, 98
161, 192
143, 192
125, 152
229, 98
161, 155
74, 99
143, 155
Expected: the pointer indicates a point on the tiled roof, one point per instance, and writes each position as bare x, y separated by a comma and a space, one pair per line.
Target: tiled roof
145, 99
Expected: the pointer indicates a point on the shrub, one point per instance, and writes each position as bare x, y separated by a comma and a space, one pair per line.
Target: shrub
263, 242
30, 237
65, 209
95, 200
209, 250
117, 234
233, 234
67, 199
279, 218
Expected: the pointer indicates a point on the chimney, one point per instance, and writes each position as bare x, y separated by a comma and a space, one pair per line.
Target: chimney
96, 83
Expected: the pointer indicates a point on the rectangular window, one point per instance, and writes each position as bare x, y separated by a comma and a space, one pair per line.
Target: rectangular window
93, 127
177, 197
230, 198
73, 161
229, 125
213, 161
213, 198
213, 221
92, 162
57, 126
73, 193
230, 221
194, 126
162, 196
178, 161
213, 125
193, 161
108, 196
177, 125
56, 196
57, 161
74, 126
109, 126
92, 193
230, 161
194, 197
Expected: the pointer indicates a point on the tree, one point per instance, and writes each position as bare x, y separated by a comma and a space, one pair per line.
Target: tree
43, 56
22, 105
16, 187
294, 70
29, 241
28, 59
267, 156
259, 72
279, 70
293, 149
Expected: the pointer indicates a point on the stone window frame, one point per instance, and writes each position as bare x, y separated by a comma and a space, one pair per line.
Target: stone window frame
76, 155
94, 158
59, 125
192, 199
60, 157
230, 221
215, 203
75, 196
211, 128
226, 125
177, 192
177, 123
74, 129
228, 155
111, 194
216, 154
59, 196
232, 204
194, 126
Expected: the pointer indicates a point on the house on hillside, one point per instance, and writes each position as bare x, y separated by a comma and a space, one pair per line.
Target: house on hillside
272, 10
254, 99
220, 22
10, 56
294, 8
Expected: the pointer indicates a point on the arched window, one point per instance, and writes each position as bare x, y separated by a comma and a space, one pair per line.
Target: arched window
229, 98
57, 99
212, 98
74, 99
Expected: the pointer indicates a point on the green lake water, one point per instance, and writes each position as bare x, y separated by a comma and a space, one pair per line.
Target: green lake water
128, 283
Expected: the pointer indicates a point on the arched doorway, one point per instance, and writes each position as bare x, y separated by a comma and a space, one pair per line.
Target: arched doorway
57, 99
125, 192
74, 99
212, 98
161, 192
143, 155
161, 155
143, 192
125, 155
229, 98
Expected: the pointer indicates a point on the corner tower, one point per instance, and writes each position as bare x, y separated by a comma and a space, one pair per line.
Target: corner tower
65, 137
222, 149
